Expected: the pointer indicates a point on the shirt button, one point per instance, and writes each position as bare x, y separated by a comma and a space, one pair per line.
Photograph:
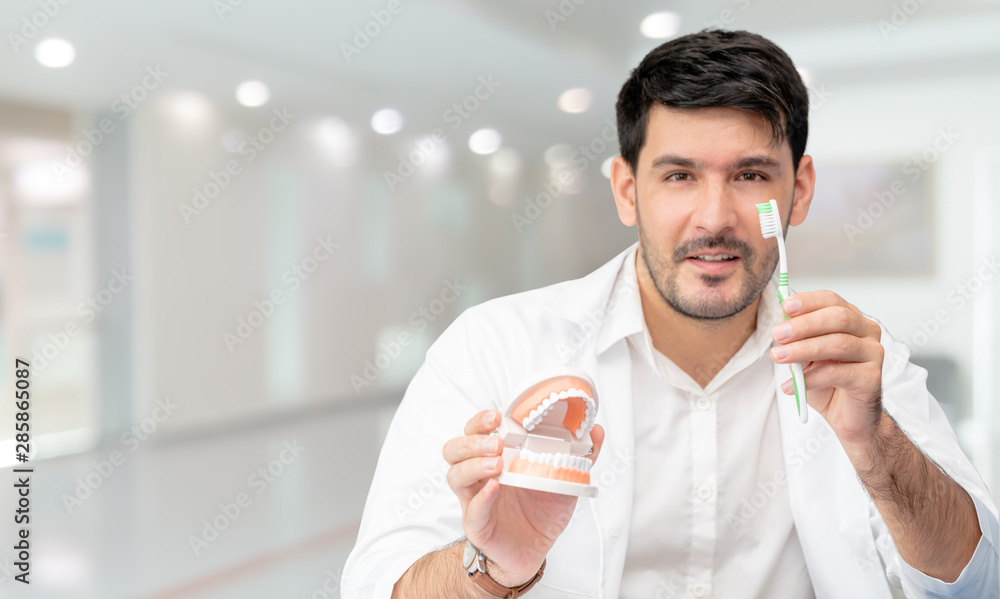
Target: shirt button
704, 403
705, 492
699, 590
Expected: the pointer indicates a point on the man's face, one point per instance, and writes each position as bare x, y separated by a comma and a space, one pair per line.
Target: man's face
694, 195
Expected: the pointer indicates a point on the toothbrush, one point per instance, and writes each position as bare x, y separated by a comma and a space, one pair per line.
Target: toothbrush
770, 226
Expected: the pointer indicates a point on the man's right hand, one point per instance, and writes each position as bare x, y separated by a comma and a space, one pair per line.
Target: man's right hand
515, 528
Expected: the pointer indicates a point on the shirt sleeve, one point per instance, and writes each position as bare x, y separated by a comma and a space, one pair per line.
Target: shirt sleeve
411, 510
918, 414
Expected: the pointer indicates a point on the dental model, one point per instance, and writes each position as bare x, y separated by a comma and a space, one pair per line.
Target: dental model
546, 434
770, 226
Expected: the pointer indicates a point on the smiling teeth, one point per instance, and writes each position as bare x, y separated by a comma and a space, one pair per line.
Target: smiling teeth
534, 418
719, 258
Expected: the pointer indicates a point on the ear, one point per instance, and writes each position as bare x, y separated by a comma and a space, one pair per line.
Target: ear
805, 185
623, 188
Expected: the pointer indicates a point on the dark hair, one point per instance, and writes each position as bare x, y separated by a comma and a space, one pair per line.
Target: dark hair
715, 67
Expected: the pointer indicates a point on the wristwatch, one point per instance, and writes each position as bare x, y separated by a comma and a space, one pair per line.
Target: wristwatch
475, 566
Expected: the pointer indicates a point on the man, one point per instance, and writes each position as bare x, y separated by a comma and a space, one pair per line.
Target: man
709, 484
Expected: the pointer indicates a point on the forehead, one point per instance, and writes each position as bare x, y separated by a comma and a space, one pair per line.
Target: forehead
714, 136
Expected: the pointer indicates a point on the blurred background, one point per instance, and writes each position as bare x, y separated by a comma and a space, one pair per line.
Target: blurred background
230, 229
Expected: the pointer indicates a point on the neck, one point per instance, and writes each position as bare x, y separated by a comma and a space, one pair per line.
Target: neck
700, 347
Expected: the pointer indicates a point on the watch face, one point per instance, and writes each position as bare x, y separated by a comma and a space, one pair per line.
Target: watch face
469, 557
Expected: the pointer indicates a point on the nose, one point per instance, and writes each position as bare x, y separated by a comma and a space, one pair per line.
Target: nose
715, 210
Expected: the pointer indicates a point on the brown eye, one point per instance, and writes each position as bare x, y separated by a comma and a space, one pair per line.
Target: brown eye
754, 177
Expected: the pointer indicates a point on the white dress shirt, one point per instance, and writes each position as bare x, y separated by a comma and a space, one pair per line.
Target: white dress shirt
713, 519
663, 451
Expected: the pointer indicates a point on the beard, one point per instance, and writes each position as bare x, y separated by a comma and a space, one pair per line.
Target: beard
717, 303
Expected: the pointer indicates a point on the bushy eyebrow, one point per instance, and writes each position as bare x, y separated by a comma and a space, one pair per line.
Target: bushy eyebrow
761, 161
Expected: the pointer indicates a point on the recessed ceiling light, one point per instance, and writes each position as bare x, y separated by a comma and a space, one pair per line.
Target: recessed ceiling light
55, 53
387, 121
575, 100
606, 167
661, 25
485, 141
253, 93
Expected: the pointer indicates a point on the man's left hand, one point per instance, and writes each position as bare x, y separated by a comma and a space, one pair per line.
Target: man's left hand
841, 357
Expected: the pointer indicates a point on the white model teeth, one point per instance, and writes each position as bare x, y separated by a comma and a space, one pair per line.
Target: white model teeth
718, 258
559, 460
534, 418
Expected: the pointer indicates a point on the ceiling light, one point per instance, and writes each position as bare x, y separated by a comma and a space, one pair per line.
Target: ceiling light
253, 93
575, 100
485, 141
387, 121
661, 25
55, 53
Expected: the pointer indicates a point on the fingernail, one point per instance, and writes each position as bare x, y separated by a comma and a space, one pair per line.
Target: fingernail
787, 386
490, 464
791, 306
491, 446
780, 352
782, 331
488, 418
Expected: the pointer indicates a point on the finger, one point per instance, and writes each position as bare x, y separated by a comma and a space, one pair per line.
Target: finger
810, 301
483, 423
851, 377
838, 347
831, 319
471, 446
477, 513
467, 478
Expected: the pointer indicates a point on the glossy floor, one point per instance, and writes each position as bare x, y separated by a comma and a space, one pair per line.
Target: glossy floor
269, 511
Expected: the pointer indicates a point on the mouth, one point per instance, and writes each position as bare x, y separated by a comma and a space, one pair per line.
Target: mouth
714, 262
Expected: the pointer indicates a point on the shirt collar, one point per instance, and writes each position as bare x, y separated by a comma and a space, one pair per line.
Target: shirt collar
624, 319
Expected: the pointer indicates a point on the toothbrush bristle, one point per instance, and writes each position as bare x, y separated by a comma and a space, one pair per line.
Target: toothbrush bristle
769, 226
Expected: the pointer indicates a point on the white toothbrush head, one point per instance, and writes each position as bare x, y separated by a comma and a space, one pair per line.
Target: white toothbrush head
770, 220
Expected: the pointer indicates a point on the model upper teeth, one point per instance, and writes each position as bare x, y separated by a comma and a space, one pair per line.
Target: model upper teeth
718, 258
559, 460
535, 417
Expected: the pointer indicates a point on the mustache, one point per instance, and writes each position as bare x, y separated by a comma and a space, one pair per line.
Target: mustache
723, 242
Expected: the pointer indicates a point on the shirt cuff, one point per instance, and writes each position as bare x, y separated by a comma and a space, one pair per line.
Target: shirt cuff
981, 573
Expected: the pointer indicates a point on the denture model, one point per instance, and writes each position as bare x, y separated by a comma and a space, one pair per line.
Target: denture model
546, 434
